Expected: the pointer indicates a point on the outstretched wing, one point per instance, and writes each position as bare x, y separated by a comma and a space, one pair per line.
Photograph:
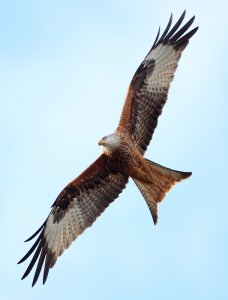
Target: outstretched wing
75, 209
149, 87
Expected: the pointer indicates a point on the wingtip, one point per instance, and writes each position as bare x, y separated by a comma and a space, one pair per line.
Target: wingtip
196, 28
171, 17
183, 15
44, 280
38, 230
24, 276
22, 259
34, 282
191, 20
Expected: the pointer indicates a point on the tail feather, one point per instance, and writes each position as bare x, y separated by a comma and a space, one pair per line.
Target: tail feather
146, 191
162, 180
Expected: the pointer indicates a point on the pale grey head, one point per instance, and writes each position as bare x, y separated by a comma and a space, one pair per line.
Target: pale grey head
110, 142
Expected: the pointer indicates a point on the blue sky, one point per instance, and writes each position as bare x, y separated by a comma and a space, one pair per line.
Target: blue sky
64, 70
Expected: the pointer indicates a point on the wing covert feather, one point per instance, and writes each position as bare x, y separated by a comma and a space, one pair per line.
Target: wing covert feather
85, 198
75, 209
149, 87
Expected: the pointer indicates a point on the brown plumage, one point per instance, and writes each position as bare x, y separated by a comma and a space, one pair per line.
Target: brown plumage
86, 197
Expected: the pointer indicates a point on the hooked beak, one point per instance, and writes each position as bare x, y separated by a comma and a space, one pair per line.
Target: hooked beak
101, 142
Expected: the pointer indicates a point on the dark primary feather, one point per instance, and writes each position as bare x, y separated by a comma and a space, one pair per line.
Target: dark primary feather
75, 209
150, 84
175, 27
85, 198
164, 33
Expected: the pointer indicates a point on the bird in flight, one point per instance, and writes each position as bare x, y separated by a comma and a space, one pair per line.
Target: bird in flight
87, 196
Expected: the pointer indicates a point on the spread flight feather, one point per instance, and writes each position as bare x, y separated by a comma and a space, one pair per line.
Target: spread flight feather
87, 196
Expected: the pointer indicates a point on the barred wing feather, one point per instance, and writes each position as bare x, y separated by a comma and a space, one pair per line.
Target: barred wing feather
75, 209
149, 87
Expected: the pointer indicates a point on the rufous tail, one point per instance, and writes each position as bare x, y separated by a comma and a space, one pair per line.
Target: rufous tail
162, 180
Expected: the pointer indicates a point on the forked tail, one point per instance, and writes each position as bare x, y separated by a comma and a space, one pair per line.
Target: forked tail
162, 180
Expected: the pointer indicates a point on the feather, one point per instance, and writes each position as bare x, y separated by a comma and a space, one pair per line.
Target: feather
86, 197
70, 216
149, 87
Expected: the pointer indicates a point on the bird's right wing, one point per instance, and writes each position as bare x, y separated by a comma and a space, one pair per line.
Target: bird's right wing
149, 87
75, 209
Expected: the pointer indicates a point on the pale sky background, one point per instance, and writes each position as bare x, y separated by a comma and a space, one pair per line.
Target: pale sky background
64, 70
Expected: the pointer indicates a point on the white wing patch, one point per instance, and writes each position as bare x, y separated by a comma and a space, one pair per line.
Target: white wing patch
86, 197
60, 234
165, 58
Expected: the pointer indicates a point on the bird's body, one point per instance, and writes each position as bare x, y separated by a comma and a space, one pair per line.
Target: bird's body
87, 196
153, 180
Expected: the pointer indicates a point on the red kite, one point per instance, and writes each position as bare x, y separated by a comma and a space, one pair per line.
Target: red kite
87, 196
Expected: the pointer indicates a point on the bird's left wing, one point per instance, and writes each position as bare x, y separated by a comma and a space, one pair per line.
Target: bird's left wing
149, 87
75, 209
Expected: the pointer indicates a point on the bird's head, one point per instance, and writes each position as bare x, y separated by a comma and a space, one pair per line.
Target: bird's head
110, 142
